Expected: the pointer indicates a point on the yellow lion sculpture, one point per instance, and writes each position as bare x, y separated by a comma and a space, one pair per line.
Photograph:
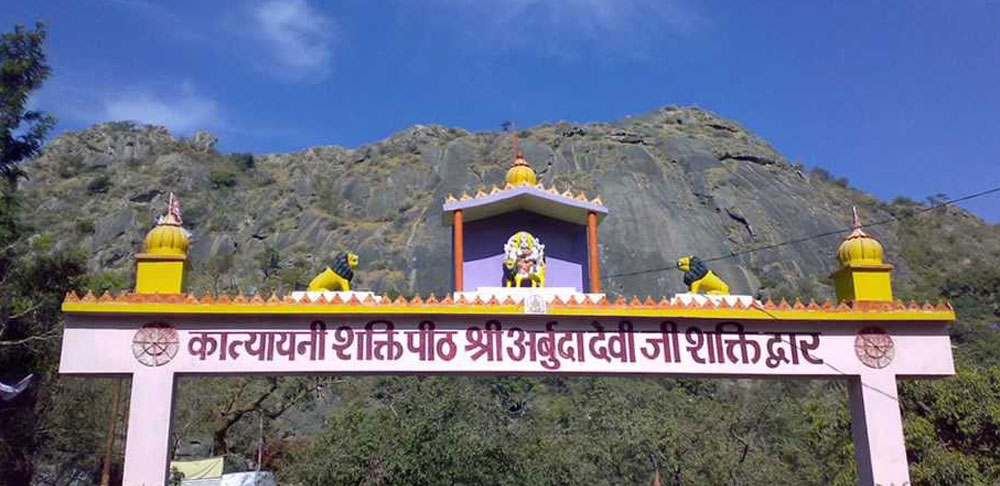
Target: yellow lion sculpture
337, 278
699, 278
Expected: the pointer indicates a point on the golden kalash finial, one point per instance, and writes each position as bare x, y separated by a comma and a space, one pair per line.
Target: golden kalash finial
160, 269
168, 237
520, 173
862, 275
859, 248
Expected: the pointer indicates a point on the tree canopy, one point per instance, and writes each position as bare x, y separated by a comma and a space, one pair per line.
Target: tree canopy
34, 275
23, 69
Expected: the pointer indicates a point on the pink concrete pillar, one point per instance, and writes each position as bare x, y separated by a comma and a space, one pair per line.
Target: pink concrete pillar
150, 407
877, 429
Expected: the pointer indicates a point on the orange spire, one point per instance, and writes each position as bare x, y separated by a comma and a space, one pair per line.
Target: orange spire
859, 247
173, 216
858, 232
518, 156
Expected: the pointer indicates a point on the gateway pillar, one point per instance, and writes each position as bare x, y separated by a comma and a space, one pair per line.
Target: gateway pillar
877, 429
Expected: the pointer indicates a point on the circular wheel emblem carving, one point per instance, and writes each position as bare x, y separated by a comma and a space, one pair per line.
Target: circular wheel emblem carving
155, 344
874, 347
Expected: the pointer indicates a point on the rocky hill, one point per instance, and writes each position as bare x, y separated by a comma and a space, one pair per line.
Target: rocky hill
677, 181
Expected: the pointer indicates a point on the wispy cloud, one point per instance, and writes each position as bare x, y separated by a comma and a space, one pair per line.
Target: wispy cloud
288, 39
563, 26
181, 110
297, 35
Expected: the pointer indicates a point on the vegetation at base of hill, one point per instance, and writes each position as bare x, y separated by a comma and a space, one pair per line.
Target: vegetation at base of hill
557, 430
467, 430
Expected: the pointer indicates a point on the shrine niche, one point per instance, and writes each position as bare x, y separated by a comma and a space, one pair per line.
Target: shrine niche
527, 299
566, 221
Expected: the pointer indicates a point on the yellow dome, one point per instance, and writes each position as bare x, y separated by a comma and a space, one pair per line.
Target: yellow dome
859, 248
167, 239
521, 174
864, 251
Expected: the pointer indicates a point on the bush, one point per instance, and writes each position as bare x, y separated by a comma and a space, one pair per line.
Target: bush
84, 226
222, 178
102, 282
244, 160
100, 185
70, 166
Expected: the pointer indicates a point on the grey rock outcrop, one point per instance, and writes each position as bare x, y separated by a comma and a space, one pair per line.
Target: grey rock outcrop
204, 141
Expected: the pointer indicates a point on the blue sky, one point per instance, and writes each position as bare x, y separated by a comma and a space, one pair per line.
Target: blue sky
900, 97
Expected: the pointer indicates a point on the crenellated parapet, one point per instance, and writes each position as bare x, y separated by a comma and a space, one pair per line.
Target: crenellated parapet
680, 306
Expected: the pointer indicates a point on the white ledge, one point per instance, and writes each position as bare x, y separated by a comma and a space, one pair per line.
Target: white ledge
518, 294
701, 299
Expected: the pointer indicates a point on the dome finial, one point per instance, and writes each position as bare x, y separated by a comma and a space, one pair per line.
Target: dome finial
520, 173
858, 232
168, 237
859, 247
517, 147
173, 216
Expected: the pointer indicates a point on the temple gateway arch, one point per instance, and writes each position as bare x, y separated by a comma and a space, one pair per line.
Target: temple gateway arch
527, 300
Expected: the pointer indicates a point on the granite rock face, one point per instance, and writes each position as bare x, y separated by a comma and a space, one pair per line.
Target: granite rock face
677, 181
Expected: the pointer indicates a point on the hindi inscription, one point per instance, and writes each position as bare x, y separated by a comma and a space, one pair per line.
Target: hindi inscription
551, 346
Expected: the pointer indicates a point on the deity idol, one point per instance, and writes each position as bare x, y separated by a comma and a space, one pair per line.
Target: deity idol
524, 261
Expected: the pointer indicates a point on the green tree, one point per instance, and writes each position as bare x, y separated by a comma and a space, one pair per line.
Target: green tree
953, 428
23, 69
557, 430
34, 277
31, 292
953, 425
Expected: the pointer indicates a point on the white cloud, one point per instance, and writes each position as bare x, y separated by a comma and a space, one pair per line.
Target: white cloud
298, 36
183, 111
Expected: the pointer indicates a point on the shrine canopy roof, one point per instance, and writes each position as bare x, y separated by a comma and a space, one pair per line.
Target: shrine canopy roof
537, 198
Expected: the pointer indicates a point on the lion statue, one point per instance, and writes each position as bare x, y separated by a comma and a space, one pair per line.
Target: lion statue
699, 278
509, 272
338, 277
